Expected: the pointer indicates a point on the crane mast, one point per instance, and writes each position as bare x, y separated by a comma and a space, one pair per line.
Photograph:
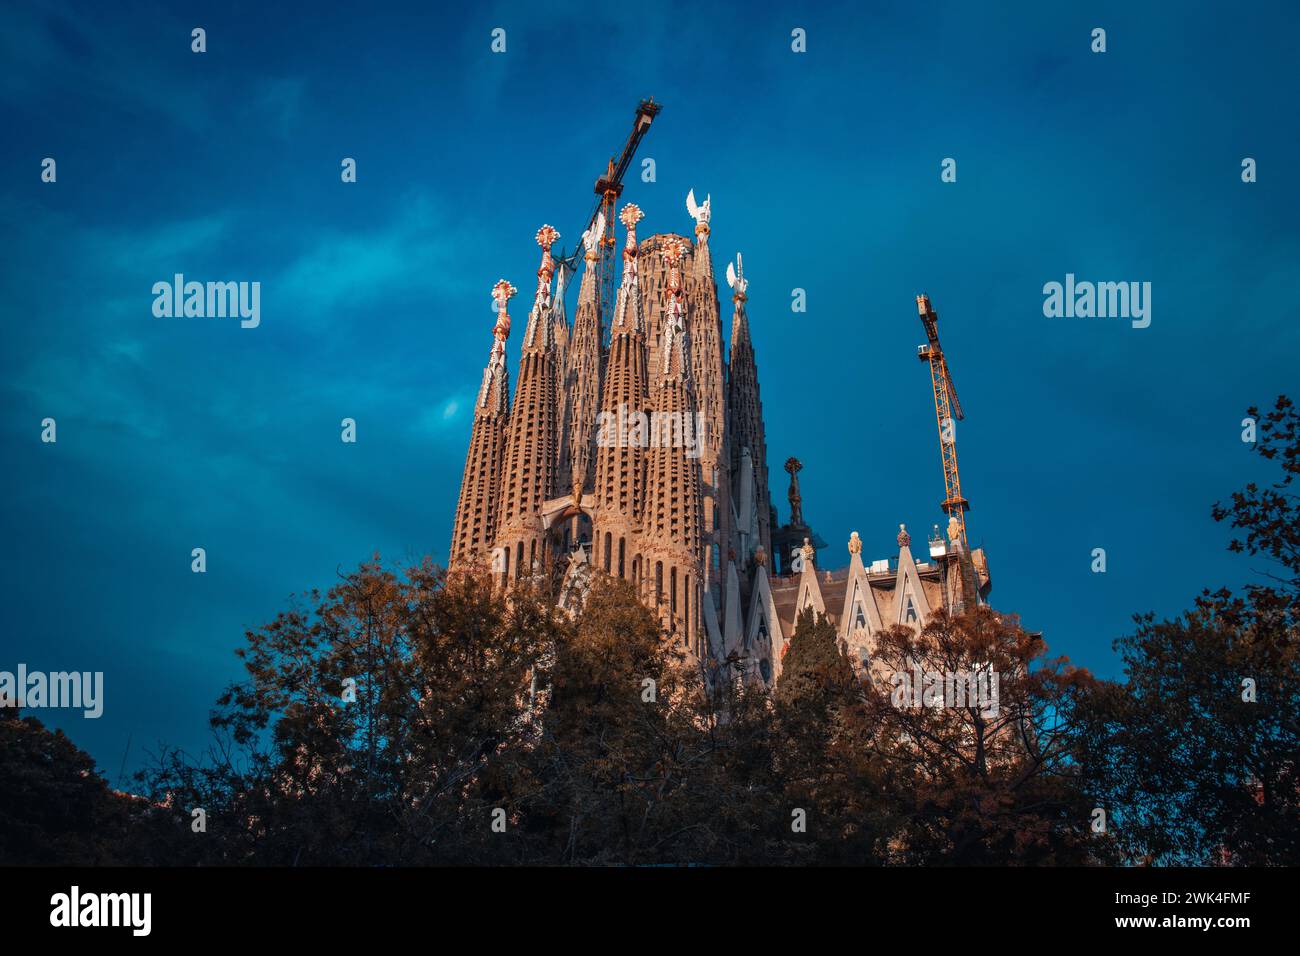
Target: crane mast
948, 411
608, 188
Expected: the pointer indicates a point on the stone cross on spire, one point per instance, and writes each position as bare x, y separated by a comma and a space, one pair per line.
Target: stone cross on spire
794, 466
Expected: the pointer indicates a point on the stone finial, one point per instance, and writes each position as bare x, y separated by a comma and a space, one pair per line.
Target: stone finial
700, 213
855, 544
503, 292
760, 556
954, 529
794, 466
736, 279
904, 539
808, 552
546, 237
674, 251
630, 216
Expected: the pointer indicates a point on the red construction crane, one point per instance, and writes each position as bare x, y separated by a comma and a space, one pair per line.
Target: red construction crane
947, 411
608, 188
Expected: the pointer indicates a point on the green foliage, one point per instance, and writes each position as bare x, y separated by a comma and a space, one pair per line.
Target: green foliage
421, 717
1194, 770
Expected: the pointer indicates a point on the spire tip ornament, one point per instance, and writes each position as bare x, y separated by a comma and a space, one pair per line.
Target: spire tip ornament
904, 539
736, 279
700, 213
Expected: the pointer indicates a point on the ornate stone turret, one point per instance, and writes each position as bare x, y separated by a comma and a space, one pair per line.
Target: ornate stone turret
745, 426
673, 513
474, 530
709, 380
624, 428
531, 446
562, 334
585, 368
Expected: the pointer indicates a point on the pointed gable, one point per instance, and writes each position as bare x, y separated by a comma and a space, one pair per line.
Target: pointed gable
763, 638
861, 616
810, 592
911, 608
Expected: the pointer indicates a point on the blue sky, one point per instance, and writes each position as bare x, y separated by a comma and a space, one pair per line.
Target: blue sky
824, 171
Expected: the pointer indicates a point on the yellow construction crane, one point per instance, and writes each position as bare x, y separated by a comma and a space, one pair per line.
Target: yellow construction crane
947, 411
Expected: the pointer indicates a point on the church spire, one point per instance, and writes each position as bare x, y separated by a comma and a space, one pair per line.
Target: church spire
620, 455
530, 459
673, 351
709, 383
475, 526
540, 333
703, 215
746, 411
585, 366
673, 517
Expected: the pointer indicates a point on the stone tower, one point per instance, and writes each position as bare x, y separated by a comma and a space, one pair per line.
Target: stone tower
531, 456
647, 460
708, 373
620, 455
746, 430
480, 487
673, 516
584, 373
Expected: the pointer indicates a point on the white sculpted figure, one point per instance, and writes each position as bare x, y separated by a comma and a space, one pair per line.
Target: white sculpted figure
591, 238
736, 276
701, 214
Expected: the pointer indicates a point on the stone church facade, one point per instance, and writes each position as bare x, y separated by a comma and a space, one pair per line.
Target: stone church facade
634, 445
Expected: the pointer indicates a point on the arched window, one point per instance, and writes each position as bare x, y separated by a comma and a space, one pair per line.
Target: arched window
609, 543
659, 582
622, 552
519, 559
672, 594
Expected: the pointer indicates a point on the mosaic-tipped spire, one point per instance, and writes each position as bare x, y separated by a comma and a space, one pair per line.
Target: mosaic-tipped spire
475, 527
540, 316
674, 250
627, 312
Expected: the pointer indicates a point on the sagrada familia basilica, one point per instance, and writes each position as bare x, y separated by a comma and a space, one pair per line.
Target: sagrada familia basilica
635, 446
